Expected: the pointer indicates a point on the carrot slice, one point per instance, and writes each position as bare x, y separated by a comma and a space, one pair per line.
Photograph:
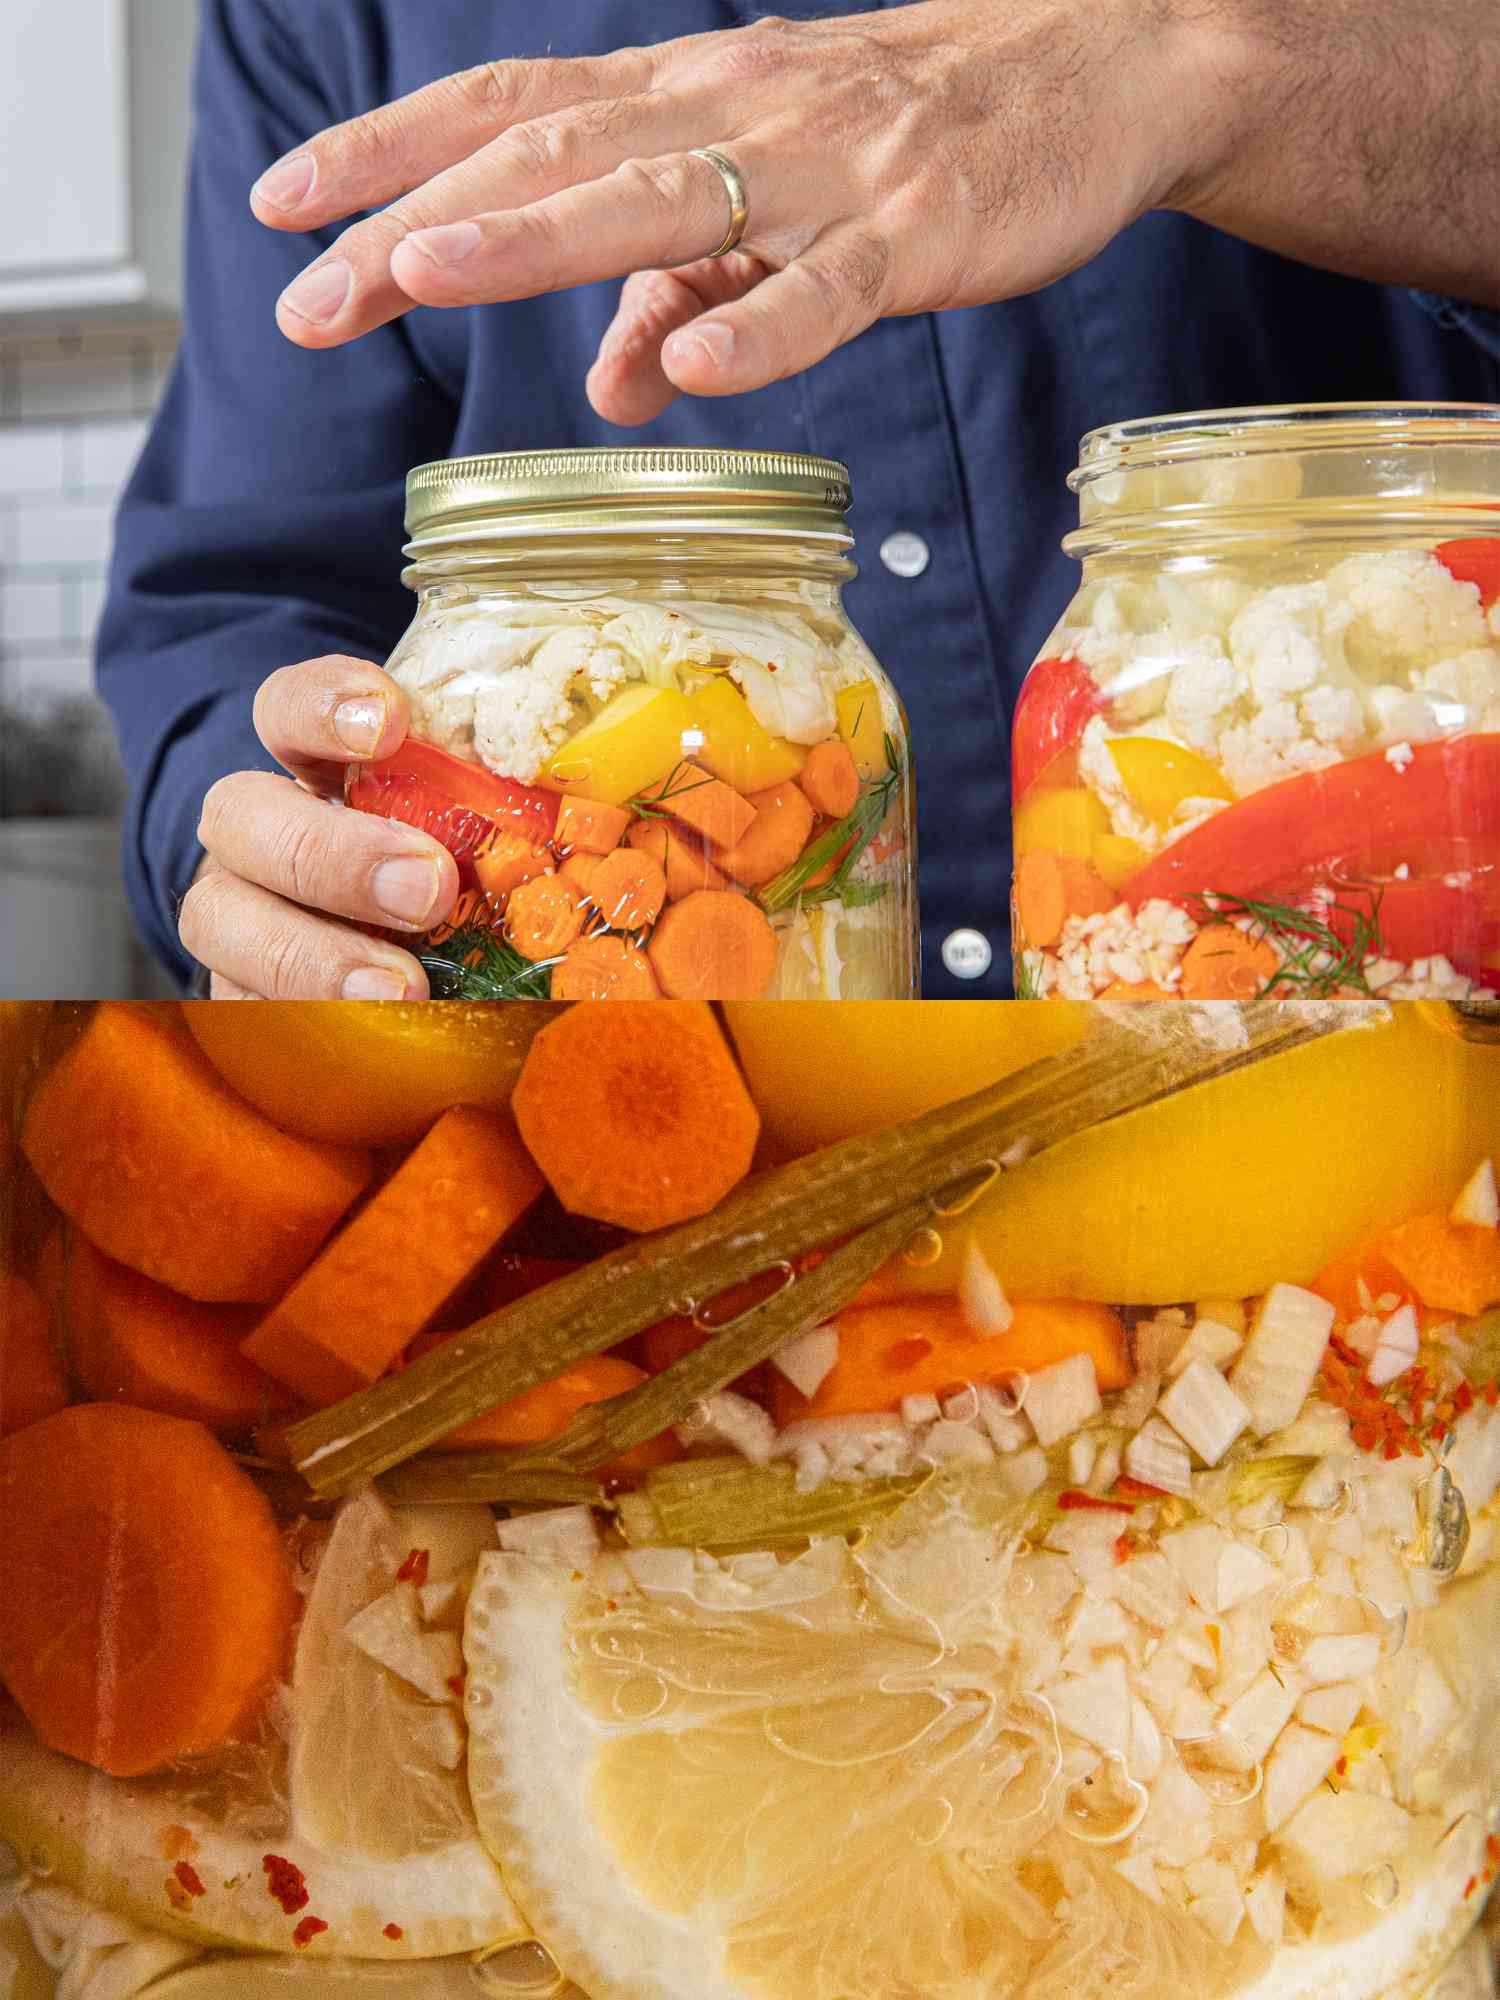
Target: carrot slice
713, 945
578, 871
1453, 1267
1223, 963
706, 804
589, 824
830, 779
470, 908
133, 1341
543, 1412
140, 1142
1356, 1281
604, 968
628, 890
146, 1600
1050, 888
926, 1346
638, 1119
684, 863
783, 826
507, 861
32, 1384
382, 1278
543, 917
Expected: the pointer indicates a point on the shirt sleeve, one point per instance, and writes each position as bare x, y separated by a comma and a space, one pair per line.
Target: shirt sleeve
1457, 316
263, 523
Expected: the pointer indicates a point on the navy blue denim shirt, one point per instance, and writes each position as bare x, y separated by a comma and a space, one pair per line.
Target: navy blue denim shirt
263, 524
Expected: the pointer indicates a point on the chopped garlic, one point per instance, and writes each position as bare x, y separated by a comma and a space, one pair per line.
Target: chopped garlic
982, 1297
1396, 1349
1479, 1202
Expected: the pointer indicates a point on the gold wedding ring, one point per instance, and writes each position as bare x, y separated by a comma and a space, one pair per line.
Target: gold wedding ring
734, 187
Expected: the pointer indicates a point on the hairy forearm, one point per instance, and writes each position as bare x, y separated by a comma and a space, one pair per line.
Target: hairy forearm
1362, 136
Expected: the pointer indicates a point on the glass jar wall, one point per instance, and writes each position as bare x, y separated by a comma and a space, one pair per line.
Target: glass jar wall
1261, 751
642, 723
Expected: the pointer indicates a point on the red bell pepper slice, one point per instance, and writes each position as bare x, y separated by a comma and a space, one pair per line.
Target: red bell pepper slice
460, 804
1351, 827
1058, 701
1475, 559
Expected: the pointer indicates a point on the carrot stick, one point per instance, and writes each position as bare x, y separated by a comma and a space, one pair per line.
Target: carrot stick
1052, 887
706, 804
139, 1142
1223, 963
146, 1601
639, 1119
506, 862
713, 945
925, 1346
1453, 1267
543, 917
133, 1341
382, 1278
32, 1384
604, 968
680, 858
783, 826
578, 871
830, 779
546, 1411
589, 824
628, 890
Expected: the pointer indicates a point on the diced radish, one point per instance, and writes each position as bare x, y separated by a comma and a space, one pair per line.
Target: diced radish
808, 1360
1061, 1399
1157, 1457
1096, 1706
1265, 1906
1479, 1202
1300, 1762
1396, 1348
1249, 1726
564, 1535
1204, 1411
1331, 1708
1344, 1833
1208, 1341
982, 1297
1275, 1373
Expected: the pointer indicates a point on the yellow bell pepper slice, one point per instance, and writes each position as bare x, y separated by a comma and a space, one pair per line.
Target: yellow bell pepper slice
1066, 819
1159, 775
736, 747
1117, 859
862, 726
636, 738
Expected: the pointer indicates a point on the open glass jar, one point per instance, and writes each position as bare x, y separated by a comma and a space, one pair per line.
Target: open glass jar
644, 726
1261, 752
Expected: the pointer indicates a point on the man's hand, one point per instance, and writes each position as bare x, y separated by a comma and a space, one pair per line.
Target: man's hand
940, 154
283, 858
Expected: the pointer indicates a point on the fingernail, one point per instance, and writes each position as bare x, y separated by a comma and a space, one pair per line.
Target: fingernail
320, 294
706, 341
289, 182
360, 724
448, 245
407, 889
373, 982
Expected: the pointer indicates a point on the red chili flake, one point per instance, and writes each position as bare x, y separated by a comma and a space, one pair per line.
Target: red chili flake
1350, 1356
286, 1882
1491, 1393
1342, 1766
456, 1682
1124, 1547
1391, 1448
1125, 1484
1463, 1397
1444, 1411
1414, 1448
1470, 1886
1366, 1436
394, 1932
1492, 1848
906, 1354
307, 1930
1072, 1500
190, 1879
414, 1569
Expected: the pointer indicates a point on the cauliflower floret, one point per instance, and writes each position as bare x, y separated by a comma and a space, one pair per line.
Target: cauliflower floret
1201, 607
1471, 681
1277, 641
1147, 944
1402, 715
656, 642
522, 715
1101, 774
1205, 688
1334, 715
1270, 748
1399, 611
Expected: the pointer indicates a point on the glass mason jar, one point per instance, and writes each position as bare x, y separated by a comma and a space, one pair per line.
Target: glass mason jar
642, 723
467, 1524
1261, 751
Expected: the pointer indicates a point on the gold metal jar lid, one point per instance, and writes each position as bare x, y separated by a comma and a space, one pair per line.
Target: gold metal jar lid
623, 491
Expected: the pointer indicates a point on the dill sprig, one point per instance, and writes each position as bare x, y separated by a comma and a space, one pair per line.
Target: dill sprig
649, 807
1321, 958
860, 825
475, 963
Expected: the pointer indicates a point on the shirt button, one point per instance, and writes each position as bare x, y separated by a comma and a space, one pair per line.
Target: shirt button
967, 954
905, 554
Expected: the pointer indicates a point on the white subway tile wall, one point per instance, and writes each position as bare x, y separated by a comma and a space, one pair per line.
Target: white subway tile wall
73, 415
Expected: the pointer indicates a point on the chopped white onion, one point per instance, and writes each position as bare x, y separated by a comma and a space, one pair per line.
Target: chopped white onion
1479, 1202
1208, 1341
1204, 1411
1396, 1349
920, 1409
1061, 1399
1157, 1457
390, 1631
807, 1361
1275, 1373
565, 1535
982, 1297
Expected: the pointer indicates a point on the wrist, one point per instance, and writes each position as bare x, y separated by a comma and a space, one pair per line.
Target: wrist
1222, 65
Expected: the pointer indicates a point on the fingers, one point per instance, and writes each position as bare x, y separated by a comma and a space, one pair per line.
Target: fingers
627, 384
320, 715
255, 943
371, 159
377, 871
834, 290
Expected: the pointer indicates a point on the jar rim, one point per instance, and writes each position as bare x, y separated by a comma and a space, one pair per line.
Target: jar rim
611, 490
1143, 442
